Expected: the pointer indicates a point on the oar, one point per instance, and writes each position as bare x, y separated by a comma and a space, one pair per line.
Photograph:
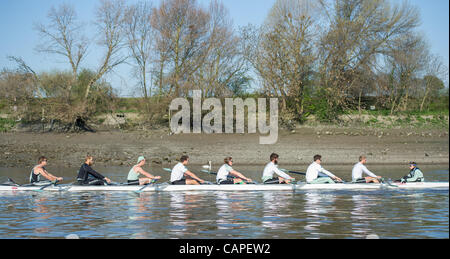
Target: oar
292, 172
10, 182
145, 186
45, 186
388, 182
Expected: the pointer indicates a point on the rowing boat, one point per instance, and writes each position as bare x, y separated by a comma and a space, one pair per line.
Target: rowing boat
236, 187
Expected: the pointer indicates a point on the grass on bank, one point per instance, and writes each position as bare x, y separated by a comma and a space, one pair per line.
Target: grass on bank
406, 119
142, 114
6, 124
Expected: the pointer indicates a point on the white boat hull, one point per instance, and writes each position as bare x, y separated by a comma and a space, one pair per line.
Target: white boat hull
248, 187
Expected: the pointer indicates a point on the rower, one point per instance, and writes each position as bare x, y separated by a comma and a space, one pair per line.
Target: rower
315, 173
133, 175
226, 170
360, 168
182, 176
88, 176
272, 168
415, 174
39, 170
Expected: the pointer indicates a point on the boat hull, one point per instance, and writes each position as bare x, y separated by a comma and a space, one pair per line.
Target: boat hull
248, 187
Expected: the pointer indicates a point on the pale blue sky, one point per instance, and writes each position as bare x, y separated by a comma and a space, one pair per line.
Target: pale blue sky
19, 38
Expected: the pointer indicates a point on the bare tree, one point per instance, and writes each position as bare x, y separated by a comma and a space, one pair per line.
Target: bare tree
109, 18
435, 69
63, 37
224, 62
359, 32
282, 51
182, 26
406, 62
140, 41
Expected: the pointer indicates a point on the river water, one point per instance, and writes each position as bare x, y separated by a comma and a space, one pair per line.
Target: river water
225, 215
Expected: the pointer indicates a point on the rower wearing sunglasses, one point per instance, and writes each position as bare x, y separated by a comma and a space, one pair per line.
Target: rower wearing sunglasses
39, 170
226, 170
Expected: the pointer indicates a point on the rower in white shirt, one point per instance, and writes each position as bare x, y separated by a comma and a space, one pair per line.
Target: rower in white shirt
359, 169
316, 174
272, 168
182, 176
226, 170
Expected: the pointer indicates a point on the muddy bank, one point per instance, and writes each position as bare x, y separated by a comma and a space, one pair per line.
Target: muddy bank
336, 145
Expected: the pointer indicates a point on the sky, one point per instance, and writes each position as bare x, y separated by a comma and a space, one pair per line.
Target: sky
18, 38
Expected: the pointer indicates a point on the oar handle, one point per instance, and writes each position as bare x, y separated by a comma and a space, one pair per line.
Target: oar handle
292, 172
152, 182
50, 184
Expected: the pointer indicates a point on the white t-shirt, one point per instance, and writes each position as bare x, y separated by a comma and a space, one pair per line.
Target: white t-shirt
314, 170
223, 172
358, 170
178, 172
271, 169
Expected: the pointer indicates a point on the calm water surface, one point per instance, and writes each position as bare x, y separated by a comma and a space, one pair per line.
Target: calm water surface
305, 214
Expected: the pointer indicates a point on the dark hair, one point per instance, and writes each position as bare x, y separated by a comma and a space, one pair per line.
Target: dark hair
227, 159
273, 156
184, 158
41, 159
361, 158
317, 157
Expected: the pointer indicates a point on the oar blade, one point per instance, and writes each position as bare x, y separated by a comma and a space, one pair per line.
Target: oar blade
145, 186
45, 186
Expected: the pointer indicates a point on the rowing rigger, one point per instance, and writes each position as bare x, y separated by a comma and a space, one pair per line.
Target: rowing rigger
237, 187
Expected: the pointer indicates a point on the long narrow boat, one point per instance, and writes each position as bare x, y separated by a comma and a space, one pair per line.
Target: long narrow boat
238, 187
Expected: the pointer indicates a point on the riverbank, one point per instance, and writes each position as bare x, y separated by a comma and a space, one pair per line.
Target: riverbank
336, 145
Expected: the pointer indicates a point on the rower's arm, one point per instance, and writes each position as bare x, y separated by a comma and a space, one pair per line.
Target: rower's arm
282, 174
192, 175
369, 173
94, 173
48, 175
239, 175
322, 170
141, 171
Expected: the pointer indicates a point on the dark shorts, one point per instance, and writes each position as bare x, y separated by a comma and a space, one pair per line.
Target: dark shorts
229, 181
133, 182
179, 182
91, 182
360, 180
272, 181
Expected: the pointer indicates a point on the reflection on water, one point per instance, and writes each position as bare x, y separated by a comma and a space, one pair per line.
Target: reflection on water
275, 204
317, 207
362, 215
302, 214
